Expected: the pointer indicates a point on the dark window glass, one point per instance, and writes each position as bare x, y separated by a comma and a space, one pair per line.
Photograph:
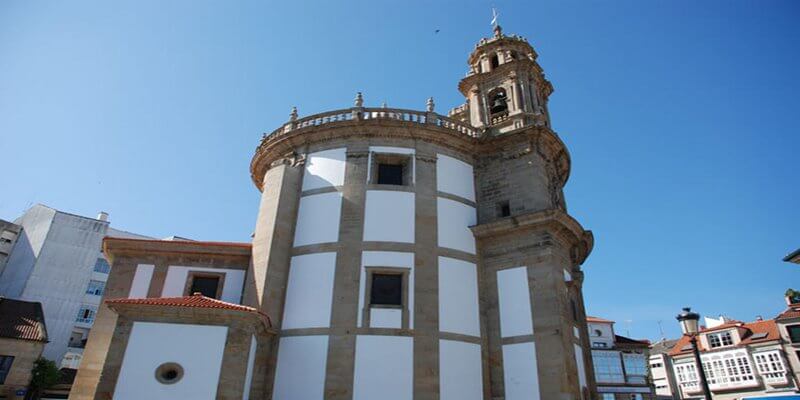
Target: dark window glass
390, 174
206, 285
794, 333
495, 62
574, 310
505, 209
387, 289
5, 367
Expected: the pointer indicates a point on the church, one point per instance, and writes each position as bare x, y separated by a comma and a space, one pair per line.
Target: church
397, 255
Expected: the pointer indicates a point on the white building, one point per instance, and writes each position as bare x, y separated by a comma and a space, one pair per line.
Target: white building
661, 369
57, 261
620, 363
740, 360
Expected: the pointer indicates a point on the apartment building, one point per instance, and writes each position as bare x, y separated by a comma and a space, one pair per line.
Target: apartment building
620, 363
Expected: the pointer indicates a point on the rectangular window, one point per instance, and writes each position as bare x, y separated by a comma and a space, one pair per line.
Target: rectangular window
720, 339
101, 265
794, 333
503, 209
607, 366
386, 289
206, 285
96, 287
391, 169
771, 367
728, 369
390, 174
608, 396
687, 376
656, 365
5, 367
635, 367
86, 314
599, 344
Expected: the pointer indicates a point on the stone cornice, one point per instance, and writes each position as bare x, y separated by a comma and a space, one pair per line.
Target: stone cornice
581, 240
119, 246
200, 316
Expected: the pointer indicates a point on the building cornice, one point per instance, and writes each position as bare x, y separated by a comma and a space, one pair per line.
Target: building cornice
116, 246
582, 241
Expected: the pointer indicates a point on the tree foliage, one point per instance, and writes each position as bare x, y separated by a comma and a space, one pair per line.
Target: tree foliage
45, 375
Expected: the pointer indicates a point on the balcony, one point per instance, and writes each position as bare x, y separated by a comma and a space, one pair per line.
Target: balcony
775, 378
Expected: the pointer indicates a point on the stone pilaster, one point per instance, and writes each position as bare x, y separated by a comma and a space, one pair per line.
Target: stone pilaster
265, 287
344, 315
426, 281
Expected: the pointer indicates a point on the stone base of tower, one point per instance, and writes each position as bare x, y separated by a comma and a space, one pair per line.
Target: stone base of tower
533, 307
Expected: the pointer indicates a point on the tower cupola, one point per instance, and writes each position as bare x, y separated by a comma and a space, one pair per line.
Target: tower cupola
505, 87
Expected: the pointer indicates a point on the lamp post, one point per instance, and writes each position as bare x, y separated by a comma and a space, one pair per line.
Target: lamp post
688, 321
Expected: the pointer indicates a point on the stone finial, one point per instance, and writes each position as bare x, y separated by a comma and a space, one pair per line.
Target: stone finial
384, 105
359, 100
293, 115
498, 31
430, 104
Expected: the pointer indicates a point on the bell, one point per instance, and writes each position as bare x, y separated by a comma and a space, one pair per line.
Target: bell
499, 105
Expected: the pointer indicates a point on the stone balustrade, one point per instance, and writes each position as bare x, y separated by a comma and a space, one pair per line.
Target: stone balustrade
366, 114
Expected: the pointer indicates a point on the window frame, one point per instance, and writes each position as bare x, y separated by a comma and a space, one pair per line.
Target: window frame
405, 160
793, 332
6, 363
191, 275
405, 273
720, 339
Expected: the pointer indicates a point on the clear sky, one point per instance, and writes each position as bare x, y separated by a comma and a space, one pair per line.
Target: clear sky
681, 118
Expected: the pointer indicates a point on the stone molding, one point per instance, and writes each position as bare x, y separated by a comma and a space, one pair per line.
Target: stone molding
581, 241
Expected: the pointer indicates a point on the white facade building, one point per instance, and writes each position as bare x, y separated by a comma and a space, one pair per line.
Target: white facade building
620, 363
57, 261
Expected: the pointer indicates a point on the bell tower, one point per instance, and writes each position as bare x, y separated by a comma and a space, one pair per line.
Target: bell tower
505, 87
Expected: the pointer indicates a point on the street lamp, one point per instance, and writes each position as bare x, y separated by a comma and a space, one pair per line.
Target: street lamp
688, 321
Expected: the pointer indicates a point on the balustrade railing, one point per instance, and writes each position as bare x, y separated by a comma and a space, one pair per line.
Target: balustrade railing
365, 114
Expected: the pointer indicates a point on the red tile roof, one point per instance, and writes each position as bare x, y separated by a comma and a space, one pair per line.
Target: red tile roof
768, 327
596, 319
792, 312
618, 339
22, 320
196, 300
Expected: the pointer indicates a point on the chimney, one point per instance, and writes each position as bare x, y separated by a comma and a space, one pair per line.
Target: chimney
102, 216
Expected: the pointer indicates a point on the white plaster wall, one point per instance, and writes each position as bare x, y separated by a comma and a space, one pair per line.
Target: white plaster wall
581, 365
152, 344
175, 282
606, 334
374, 378
520, 372
455, 177
141, 281
515, 304
386, 259
458, 297
309, 292
389, 216
324, 169
460, 372
248, 376
386, 318
318, 219
300, 373
454, 220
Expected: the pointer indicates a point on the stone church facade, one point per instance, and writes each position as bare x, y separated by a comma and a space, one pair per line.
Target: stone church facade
397, 254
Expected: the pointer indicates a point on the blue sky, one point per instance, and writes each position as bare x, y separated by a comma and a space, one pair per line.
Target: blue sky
680, 116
